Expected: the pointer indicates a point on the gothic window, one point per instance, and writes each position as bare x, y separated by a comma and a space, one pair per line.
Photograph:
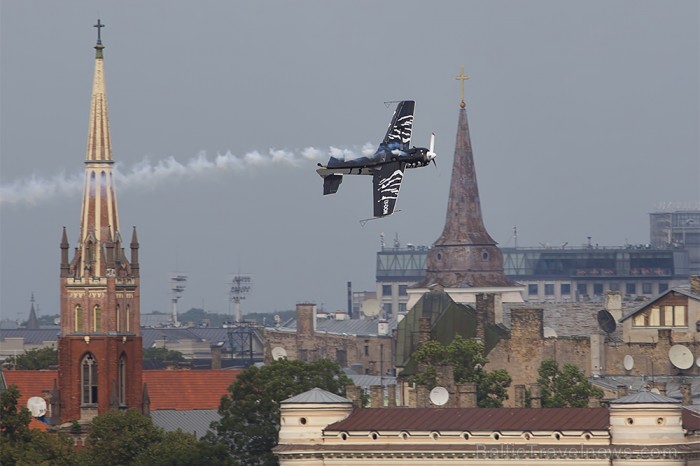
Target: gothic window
96, 318
89, 380
78, 316
119, 319
121, 382
128, 314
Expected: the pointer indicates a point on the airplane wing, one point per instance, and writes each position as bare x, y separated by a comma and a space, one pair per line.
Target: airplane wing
401, 126
387, 182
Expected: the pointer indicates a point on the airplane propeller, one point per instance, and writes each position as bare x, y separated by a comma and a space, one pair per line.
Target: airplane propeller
431, 151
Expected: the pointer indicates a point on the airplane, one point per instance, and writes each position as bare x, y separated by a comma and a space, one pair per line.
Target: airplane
387, 165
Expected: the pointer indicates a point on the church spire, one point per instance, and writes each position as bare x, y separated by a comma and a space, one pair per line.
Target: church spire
32, 322
465, 255
99, 220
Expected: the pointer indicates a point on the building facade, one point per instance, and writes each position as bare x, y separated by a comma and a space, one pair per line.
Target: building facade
677, 225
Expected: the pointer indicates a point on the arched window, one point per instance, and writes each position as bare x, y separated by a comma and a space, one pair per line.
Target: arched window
78, 316
128, 314
89, 380
119, 319
96, 318
121, 381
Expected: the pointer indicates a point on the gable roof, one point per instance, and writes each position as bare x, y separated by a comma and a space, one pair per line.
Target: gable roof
187, 389
317, 395
30, 383
683, 289
646, 397
474, 419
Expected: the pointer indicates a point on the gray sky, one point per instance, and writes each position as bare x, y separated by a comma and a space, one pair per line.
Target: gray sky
583, 117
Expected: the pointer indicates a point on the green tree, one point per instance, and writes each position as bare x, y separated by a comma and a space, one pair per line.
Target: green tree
567, 387
250, 414
127, 437
162, 354
34, 359
466, 356
20, 445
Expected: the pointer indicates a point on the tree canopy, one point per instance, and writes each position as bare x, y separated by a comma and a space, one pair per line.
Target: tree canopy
250, 414
162, 354
128, 437
466, 356
34, 359
566, 387
20, 445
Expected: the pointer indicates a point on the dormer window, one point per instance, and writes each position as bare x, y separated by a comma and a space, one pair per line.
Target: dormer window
662, 316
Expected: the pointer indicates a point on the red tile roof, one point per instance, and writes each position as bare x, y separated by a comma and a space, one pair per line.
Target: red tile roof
167, 389
459, 419
30, 383
187, 389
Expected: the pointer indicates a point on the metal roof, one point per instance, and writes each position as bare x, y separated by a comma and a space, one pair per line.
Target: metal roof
356, 327
646, 397
317, 395
31, 336
193, 421
474, 419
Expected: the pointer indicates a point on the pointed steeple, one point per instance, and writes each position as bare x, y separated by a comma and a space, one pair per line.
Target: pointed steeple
465, 255
99, 220
32, 322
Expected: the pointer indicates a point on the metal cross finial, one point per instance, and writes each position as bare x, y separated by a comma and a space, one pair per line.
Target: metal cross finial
99, 26
462, 77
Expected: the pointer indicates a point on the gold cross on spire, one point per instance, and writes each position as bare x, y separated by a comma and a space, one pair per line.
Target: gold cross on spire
462, 77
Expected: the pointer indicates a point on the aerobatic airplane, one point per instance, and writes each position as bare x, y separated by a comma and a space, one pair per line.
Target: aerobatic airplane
386, 165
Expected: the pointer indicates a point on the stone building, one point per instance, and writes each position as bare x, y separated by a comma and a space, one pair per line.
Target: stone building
318, 427
99, 344
365, 345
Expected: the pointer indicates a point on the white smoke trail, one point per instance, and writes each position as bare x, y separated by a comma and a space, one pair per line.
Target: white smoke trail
35, 189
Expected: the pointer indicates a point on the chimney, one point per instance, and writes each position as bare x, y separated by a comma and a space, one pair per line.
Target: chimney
383, 327
519, 396
422, 396
613, 304
392, 396
535, 395
622, 390
695, 284
467, 395
423, 330
216, 356
352, 392
376, 396
306, 319
686, 394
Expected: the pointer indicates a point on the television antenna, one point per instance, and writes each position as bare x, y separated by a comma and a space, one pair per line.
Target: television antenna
178, 282
240, 287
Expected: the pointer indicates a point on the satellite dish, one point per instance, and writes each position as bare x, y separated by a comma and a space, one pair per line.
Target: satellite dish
681, 357
629, 362
655, 391
278, 353
606, 321
370, 307
549, 332
697, 361
439, 396
37, 406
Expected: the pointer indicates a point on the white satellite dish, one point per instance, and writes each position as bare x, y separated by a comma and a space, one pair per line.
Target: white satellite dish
439, 396
370, 307
681, 357
278, 353
655, 391
549, 332
37, 406
697, 361
628, 362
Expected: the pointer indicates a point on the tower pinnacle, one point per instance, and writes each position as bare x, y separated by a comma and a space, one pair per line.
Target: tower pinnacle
462, 77
99, 45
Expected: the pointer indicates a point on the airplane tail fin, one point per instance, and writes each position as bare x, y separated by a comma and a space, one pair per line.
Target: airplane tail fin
331, 183
401, 126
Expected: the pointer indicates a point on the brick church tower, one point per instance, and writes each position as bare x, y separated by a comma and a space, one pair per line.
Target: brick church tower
465, 260
99, 346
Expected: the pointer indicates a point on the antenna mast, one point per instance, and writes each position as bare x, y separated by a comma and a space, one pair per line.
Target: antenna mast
240, 287
177, 286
